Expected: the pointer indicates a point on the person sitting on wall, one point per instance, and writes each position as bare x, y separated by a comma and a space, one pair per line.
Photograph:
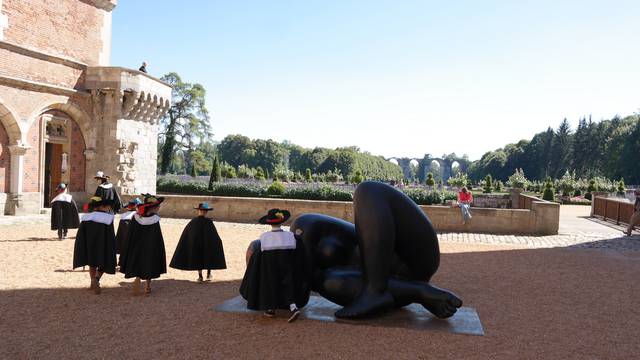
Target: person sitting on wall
200, 246
465, 198
144, 257
123, 226
64, 212
635, 217
269, 282
106, 191
143, 68
385, 260
95, 244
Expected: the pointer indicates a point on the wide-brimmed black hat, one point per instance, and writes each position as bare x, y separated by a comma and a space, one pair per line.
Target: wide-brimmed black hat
149, 202
97, 201
275, 217
204, 206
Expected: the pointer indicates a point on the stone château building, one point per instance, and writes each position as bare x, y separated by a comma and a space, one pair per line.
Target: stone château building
64, 112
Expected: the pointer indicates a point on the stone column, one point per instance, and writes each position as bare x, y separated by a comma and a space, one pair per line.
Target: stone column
515, 197
90, 171
17, 177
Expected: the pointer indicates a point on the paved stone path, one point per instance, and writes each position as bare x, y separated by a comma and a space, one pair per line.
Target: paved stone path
577, 230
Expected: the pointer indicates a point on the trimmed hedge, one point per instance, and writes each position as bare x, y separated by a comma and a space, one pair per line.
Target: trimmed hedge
324, 192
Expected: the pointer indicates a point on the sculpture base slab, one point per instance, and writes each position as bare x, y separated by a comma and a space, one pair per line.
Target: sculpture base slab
414, 316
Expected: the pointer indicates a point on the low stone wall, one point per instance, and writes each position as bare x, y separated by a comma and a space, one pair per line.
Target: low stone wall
542, 219
492, 201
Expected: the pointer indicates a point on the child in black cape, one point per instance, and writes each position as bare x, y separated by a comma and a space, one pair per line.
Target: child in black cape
123, 226
144, 257
269, 282
95, 244
64, 212
106, 191
200, 246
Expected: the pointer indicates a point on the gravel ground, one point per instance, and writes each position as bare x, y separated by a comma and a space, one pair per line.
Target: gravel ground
546, 303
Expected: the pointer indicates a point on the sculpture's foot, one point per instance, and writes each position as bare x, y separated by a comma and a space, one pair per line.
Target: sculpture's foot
440, 303
366, 304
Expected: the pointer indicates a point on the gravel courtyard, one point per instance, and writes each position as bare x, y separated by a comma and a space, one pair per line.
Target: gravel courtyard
535, 301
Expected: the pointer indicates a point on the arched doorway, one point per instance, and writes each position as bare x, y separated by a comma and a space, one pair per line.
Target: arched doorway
60, 149
5, 162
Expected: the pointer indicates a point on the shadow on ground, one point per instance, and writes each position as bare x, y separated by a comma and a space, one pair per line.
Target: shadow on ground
535, 304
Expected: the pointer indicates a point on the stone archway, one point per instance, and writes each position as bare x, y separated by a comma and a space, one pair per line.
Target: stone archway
76, 113
10, 123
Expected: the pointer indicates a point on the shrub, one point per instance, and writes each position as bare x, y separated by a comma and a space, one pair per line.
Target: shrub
488, 187
228, 171
459, 180
430, 181
259, 174
245, 172
518, 180
276, 189
357, 178
238, 190
320, 193
567, 183
548, 191
281, 173
621, 187
577, 192
307, 175
497, 186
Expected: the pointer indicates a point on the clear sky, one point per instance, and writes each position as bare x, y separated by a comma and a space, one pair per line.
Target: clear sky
396, 78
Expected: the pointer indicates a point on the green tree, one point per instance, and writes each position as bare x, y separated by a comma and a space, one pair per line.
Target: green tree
186, 123
236, 150
216, 173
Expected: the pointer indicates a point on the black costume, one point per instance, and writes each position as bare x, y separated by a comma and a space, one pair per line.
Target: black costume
95, 243
144, 256
200, 247
64, 214
107, 192
271, 280
123, 231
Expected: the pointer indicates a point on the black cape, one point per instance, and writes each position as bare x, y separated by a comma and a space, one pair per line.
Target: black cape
95, 246
110, 194
64, 215
122, 235
199, 248
274, 278
144, 256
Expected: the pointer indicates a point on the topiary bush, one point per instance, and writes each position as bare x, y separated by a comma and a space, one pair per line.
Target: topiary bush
488, 186
430, 181
357, 178
621, 187
590, 189
276, 189
548, 193
497, 185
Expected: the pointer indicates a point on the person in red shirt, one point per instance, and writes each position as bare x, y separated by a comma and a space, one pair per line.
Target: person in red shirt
465, 198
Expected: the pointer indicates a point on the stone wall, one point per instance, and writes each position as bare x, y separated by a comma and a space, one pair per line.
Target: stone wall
543, 219
492, 201
138, 155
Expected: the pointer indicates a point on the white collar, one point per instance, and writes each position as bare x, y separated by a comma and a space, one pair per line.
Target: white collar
127, 215
106, 186
62, 197
99, 217
146, 220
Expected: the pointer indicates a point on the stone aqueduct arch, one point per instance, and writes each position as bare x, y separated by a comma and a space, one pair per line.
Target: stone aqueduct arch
424, 166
